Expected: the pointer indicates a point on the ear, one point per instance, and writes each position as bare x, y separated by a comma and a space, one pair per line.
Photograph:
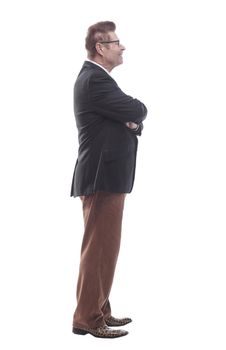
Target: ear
99, 49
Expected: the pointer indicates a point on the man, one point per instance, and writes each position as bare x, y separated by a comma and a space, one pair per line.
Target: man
108, 121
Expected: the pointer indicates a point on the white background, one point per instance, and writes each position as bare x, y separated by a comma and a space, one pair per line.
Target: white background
170, 275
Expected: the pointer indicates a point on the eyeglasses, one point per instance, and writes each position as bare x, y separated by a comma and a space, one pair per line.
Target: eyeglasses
110, 42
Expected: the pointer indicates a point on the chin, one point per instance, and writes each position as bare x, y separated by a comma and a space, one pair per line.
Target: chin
120, 60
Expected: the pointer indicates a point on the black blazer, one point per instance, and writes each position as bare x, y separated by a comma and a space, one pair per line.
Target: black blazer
107, 147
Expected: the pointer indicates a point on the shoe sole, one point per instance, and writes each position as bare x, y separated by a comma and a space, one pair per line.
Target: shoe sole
80, 331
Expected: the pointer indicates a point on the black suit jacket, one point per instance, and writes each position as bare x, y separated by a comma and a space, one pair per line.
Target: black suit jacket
107, 147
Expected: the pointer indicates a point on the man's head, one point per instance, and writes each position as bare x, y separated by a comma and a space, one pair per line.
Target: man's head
103, 45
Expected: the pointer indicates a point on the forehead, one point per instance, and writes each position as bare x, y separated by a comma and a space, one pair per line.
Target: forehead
113, 36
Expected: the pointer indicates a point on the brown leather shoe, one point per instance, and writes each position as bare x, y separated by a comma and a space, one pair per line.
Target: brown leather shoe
101, 332
117, 322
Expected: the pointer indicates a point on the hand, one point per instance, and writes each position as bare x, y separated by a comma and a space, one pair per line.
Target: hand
132, 125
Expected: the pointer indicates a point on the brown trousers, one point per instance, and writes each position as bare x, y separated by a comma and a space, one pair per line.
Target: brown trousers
102, 214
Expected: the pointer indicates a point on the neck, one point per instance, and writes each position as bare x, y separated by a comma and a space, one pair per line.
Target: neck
101, 62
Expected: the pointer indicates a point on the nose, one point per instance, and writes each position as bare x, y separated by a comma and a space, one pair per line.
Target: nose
122, 47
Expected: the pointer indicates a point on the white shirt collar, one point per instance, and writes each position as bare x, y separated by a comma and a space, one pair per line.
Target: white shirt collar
98, 65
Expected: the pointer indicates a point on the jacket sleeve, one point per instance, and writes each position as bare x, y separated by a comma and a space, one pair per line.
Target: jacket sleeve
109, 101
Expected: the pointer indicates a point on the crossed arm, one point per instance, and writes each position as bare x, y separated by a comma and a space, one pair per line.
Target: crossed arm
109, 100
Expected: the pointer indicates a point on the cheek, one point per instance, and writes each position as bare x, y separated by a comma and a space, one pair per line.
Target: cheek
117, 54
